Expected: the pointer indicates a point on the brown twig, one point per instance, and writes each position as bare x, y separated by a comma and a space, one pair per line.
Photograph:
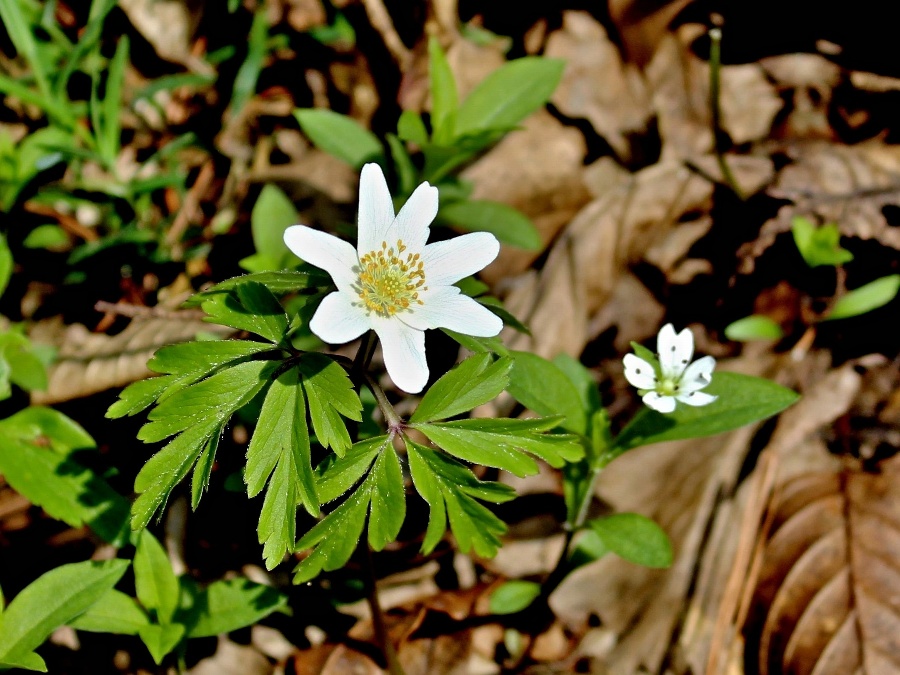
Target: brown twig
382, 22
191, 204
134, 311
69, 223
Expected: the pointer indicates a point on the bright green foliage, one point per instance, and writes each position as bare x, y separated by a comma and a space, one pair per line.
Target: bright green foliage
154, 581
452, 492
6, 259
224, 606
115, 612
272, 214
514, 596
506, 223
473, 382
541, 386
635, 538
444, 98
819, 246
20, 362
864, 299
754, 327
381, 496
39, 459
251, 307
278, 283
330, 394
340, 136
50, 601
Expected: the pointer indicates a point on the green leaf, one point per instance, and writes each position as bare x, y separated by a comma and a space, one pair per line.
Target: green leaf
514, 596
509, 94
248, 74
108, 134
6, 264
473, 382
410, 127
154, 581
197, 359
272, 214
388, 499
115, 612
406, 170
742, 400
52, 600
582, 380
279, 283
451, 491
541, 386
509, 225
229, 605
754, 327
26, 369
25, 661
251, 307
50, 237
635, 538
203, 471
340, 136
864, 299
139, 395
496, 306
819, 246
478, 345
444, 100
338, 475
330, 394
161, 640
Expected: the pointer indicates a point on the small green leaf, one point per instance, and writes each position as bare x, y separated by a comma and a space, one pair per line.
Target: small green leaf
388, 500
496, 306
509, 225
226, 606
50, 601
509, 94
742, 400
272, 214
473, 382
754, 327
203, 470
340, 136
248, 308
582, 380
335, 537
635, 538
338, 475
139, 395
444, 100
478, 345
279, 283
115, 612
50, 237
25, 661
540, 385
154, 581
410, 127
6, 264
514, 596
330, 394
197, 359
819, 246
864, 299
161, 640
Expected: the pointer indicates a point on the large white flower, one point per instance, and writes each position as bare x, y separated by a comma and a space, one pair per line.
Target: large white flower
677, 379
392, 282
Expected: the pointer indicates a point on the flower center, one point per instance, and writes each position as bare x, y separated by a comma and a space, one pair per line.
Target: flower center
388, 281
667, 387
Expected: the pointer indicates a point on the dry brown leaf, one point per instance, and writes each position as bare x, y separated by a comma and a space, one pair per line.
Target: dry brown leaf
642, 24
233, 659
596, 85
828, 597
88, 363
168, 25
811, 79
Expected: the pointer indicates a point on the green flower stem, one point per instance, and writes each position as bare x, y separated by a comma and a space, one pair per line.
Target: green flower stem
715, 65
390, 415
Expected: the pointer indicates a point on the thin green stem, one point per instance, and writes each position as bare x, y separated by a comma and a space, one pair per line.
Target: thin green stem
715, 66
365, 353
390, 415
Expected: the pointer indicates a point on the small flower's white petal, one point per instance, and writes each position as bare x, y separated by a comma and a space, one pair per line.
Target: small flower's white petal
446, 262
325, 251
697, 375
675, 351
663, 404
338, 320
403, 348
638, 372
446, 307
696, 398
376, 209
411, 226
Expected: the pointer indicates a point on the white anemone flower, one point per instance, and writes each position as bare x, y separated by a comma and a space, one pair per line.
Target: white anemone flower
392, 282
677, 379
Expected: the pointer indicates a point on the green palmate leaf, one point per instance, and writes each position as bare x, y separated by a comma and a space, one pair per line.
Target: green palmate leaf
36, 445
444, 101
115, 612
225, 606
742, 400
198, 359
26, 369
754, 327
340, 136
451, 491
203, 470
540, 385
582, 380
248, 308
330, 394
514, 596
277, 282
410, 127
51, 601
509, 94
154, 581
506, 223
635, 538
272, 214
819, 246
161, 640
381, 495
139, 395
338, 475
864, 299
500, 442
279, 453
473, 382
212, 400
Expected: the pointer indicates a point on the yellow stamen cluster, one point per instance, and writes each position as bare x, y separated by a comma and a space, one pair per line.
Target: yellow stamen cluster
389, 282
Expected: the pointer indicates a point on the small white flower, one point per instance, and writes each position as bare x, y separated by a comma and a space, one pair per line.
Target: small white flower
677, 379
392, 282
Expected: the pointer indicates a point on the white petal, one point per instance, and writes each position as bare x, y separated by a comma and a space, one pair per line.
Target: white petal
696, 398
325, 251
447, 307
376, 210
411, 226
638, 372
338, 320
675, 351
446, 262
403, 348
697, 375
663, 404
